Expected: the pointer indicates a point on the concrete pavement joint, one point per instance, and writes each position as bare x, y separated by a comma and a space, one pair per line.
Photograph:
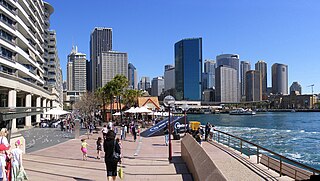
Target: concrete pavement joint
138, 148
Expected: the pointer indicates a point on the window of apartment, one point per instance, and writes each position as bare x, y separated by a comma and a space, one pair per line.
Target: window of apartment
6, 53
6, 35
6, 70
7, 5
6, 20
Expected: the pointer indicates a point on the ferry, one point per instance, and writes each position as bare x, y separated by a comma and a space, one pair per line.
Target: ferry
241, 111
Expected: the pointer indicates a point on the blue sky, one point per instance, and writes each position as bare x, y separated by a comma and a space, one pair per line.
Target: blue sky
286, 31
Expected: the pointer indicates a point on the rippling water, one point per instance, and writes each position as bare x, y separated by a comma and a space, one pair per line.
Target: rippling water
294, 135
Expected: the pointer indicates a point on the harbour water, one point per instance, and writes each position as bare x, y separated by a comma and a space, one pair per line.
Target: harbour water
294, 135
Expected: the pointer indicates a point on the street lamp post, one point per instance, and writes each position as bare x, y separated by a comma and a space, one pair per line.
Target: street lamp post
169, 101
185, 108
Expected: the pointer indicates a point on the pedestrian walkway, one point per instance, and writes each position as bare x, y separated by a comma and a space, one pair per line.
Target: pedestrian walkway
235, 166
145, 159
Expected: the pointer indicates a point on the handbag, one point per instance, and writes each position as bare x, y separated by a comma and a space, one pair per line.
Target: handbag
115, 155
120, 172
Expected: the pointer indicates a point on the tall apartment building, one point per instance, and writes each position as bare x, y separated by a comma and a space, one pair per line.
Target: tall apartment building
132, 76
231, 60
226, 84
157, 86
76, 71
144, 83
169, 78
279, 79
100, 41
188, 69
30, 72
209, 71
253, 85
244, 67
262, 67
113, 63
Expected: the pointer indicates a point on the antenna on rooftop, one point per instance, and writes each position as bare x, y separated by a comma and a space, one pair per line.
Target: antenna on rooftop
312, 85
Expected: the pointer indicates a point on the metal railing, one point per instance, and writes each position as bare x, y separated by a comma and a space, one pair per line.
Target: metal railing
272, 160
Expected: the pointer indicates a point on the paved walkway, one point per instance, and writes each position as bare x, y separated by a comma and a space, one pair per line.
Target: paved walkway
235, 166
145, 159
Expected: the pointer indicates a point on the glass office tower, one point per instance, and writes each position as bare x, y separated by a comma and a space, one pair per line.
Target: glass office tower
188, 69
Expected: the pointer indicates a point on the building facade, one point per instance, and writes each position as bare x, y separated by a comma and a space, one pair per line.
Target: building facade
157, 86
253, 86
226, 84
30, 72
209, 71
76, 71
296, 87
244, 67
262, 67
188, 69
132, 76
231, 60
279, 79
169, 78
100, 41
113, 63
144, 83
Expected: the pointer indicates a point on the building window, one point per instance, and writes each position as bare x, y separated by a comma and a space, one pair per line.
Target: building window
6, 20
6, 36
6, 53
7, 5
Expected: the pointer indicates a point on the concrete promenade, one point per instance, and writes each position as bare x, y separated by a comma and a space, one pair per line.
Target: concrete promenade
145, 159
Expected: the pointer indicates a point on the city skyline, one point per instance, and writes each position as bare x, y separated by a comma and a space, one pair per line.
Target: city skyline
288, 37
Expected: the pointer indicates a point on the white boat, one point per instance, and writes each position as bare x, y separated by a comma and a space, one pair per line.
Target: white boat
242, 111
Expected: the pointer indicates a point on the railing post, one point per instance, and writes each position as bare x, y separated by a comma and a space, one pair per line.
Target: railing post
229, 141
257, 155
268, 162
218, 137
280, 166
241, 147
295, 174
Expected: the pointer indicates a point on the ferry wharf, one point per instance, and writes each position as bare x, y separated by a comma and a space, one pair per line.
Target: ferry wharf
146, 159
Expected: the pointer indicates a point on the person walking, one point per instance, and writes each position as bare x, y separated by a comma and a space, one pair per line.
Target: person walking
83, 149
134, 132
99, 147
3, 176
110, 147
207, 131
166, 135
17, 170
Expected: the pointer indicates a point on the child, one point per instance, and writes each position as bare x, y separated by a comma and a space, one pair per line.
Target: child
17, 167
99, 147
119, 142
84, 150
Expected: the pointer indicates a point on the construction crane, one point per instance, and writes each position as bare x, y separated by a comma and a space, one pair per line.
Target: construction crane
312, 85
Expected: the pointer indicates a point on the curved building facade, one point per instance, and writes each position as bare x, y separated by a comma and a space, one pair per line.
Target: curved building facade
30, 72
279, 79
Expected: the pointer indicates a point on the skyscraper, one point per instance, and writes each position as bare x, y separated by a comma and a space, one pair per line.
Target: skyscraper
244, 67
76, 71
113, 63
188, 69
157, 86
100, 41
132, 76
262, 67
226, 84
144, 83
295, 86
231, 60
169, 78
209, 70
279, 79
253, 85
